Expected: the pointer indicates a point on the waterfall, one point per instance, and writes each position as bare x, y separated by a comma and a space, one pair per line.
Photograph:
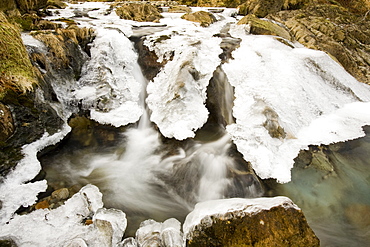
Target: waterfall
224, 106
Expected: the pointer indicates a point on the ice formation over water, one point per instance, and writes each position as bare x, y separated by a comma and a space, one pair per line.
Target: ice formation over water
304, 92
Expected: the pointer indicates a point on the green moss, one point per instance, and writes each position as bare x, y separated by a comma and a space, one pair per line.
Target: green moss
16, 70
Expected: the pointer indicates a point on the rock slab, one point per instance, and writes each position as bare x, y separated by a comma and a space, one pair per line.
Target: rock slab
248, 222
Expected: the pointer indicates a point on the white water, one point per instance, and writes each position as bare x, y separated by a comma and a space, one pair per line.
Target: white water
147, 175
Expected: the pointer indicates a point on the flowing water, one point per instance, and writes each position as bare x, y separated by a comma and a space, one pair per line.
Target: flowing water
180, 142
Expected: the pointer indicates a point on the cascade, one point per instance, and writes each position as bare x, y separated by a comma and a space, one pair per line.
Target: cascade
226, 110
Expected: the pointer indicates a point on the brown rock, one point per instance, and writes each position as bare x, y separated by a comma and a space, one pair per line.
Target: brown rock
204, 18
248, 222
264, 27
139, 12
42, 205
335, 30
260, 8
179, 9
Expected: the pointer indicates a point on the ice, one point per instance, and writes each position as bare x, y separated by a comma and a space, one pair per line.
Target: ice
301, 91
167, 233
64, 225
111, 81
177, 95
16, 190
204, 211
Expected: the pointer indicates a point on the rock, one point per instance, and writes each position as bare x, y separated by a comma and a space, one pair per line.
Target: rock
358, 215
260, 8
6, 123
7, 243
335, 30
248, 222
204, 18
294, 4
219, 3
179, 9
16, 71
264, 27
139, 12
61, 194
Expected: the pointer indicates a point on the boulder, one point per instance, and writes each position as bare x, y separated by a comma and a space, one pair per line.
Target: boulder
264, 27
139, 12
248, 222
260, 8
204, 18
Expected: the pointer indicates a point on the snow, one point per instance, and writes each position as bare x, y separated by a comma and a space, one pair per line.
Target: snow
311, 96
16, 190
176, 96
203, 211
64, 225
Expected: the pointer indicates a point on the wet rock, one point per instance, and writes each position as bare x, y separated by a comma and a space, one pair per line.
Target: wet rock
204, 18
139, 12
7, 243
248, 222
6, 122
264, 27
260, 8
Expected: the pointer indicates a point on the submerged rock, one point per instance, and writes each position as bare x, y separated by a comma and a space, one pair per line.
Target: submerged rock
204, 18
248, 222
139, 12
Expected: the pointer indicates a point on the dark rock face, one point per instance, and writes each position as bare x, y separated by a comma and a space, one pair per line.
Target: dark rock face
6, 122
252, 225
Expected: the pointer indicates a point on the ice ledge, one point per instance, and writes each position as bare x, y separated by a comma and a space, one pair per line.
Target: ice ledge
203, 211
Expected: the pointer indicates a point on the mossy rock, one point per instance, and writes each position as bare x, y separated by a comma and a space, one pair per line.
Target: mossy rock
142, 12
264, 27
16, 70
204, 18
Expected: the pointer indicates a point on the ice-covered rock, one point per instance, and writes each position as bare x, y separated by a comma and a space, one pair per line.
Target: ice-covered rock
65, 225
288, 98
177, 95
273, 221
111, 81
